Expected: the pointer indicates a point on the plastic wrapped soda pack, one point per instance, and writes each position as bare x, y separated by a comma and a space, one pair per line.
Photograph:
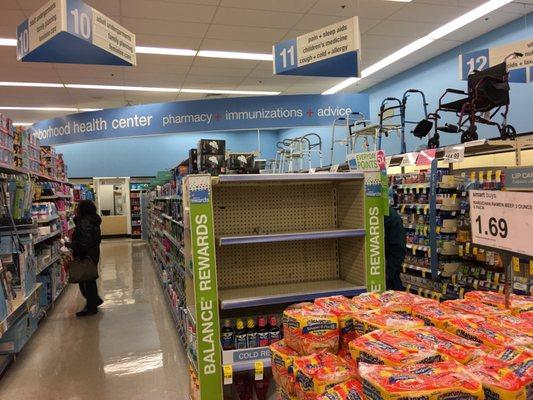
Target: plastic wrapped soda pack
282, 359
317, 373
487, 333
519, 304
350, 390
442, 380
472, 307
447, 344
311, 329
505, 373
345, 310
391, 348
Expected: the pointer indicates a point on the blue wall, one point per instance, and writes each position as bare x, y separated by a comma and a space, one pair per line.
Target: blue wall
439, 73
144, 156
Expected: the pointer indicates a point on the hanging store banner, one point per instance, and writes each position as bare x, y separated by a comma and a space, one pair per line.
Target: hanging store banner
520, 68
266, 112
501, 219
71, 31
205, 286
331, 51
519, 178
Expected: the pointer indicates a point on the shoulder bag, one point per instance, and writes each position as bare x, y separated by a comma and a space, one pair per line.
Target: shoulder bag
82, 270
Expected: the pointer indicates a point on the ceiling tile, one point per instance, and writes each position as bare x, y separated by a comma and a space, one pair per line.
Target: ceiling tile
223, 63
255, 18
176, 42
162, 10
384, 42
11, 18
214, 71
376, 9
400, 28
298, 6
193, 81
236, 45
268, 35
111, 8
415, 12
164, 28
481, 26
9, 5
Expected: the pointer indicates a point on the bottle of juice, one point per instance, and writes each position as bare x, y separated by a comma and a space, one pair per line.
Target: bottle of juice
263, 334
274, 332
251, 333
240, 335
228, 336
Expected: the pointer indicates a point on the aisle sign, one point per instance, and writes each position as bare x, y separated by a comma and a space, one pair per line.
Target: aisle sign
520, 68
519, 178
502, 220
331, 51
71, 31
205, 286
454, 154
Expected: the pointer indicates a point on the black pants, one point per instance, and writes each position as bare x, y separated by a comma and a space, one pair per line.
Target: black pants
89, 290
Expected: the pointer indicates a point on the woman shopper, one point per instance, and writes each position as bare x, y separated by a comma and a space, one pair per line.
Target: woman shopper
86, 243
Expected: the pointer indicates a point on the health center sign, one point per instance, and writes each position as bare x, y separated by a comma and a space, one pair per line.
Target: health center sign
244, 113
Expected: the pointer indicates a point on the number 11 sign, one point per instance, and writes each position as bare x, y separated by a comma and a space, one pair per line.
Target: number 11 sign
502, 220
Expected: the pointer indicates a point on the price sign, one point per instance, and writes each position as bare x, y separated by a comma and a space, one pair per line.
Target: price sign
409, 159
502, 220
454, 154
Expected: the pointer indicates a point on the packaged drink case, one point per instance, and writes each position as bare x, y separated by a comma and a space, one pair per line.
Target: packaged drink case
274, 332
241, 340
263, 335
228, 336
252, 337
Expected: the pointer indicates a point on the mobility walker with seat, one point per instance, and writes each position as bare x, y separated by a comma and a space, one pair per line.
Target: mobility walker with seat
356, 127
488, 93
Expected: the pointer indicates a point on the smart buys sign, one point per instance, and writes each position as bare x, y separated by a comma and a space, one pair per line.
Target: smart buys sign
70, 31
201, 116
331, 51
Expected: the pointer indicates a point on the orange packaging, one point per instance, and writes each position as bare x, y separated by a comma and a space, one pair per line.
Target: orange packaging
283, 395
447, 344
316, 373
345, 310
432, 315
486, 333
384, 319
519, 304
282, 359
402, 302
391, 348
443, 380
514, 323
311, 329
472, 307
350, 390
367, 301
506, 373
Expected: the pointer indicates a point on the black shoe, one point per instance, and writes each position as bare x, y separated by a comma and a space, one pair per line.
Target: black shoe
85, 312
99, 302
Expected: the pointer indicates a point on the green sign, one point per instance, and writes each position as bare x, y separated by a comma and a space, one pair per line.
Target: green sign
205, 287
375, 233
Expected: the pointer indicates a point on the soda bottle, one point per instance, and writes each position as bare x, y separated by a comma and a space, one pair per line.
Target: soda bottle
263, 333
228, 336
240, 335
274, 332
251, 333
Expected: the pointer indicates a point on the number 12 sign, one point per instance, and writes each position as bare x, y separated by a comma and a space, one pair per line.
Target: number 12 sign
502, 220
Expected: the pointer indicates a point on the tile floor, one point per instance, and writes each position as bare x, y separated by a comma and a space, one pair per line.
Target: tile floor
130, 350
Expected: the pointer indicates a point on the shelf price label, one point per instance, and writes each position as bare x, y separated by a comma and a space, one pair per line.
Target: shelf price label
454, 154
228, 374
259, 369
501, 219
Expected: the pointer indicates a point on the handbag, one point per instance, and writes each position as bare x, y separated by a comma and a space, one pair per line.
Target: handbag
82, 270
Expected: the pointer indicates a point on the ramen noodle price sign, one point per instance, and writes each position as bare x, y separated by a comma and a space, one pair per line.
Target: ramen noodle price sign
502, 220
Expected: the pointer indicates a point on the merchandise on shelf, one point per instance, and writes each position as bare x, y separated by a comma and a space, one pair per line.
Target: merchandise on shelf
6, 141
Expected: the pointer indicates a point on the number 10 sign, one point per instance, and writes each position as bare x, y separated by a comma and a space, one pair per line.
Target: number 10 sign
502, 220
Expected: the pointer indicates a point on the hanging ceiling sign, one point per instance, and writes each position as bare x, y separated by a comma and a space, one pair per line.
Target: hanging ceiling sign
70, 31
520, 68
331, 51
241, 113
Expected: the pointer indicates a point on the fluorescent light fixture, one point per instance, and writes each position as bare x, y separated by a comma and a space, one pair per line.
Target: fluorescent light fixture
8, 42
127, 88
90, 109
235, 55
439, 33
465, 19
223, 91
344, 84
32, 84
22, 123
17, 108
165, 51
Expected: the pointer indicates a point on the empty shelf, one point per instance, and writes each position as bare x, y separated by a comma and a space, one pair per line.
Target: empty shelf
285, 293
327, 176
288, 236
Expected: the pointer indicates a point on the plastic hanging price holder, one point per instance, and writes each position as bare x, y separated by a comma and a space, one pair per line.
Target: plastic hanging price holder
480, 176
461, 250
530, 267
259, 369
228, 374
408, 288
498, 176
461, 293
516, 264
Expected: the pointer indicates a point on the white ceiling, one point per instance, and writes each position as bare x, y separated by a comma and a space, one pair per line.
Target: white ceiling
229, 25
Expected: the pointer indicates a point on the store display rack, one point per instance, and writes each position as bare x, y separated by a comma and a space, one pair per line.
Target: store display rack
136, 213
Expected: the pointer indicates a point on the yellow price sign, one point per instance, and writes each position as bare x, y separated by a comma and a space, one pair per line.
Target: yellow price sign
530, 267
228, 374
403, 209
259, 370
462, 293
480, 175
516, 264
489, 175
498, 176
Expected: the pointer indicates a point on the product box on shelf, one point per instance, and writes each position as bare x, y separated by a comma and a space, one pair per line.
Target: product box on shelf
211, 147
212, 164
193, 161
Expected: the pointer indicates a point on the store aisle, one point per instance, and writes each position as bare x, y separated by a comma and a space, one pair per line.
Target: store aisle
128, 351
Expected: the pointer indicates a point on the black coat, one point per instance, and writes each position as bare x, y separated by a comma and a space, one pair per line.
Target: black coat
395, 249
87, 237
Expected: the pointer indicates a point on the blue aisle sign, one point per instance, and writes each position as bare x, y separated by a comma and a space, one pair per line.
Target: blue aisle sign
520, 68
331, 51
267, 112
71, 31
